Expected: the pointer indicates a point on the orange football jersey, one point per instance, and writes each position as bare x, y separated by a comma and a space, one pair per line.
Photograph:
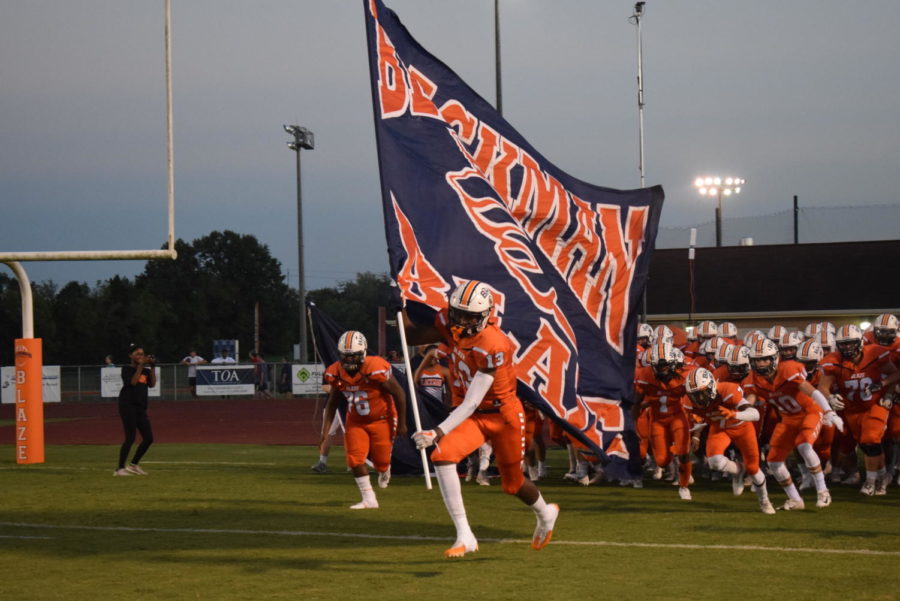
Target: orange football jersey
854, 380
784, 390
664, 398
729, 395
366, 401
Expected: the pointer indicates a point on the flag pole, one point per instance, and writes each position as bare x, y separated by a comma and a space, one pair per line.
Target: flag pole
412, 395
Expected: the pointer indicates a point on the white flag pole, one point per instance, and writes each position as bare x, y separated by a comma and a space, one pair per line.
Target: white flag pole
412, 395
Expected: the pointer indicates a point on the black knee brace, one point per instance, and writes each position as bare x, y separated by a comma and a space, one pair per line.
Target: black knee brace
870, 449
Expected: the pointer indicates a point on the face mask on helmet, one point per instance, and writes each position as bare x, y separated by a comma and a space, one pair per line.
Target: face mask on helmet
470, 308
885, 329
849, 341
701, 387
662, 361
764, 357
352, 350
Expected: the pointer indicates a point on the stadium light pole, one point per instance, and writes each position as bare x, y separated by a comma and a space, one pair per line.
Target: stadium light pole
303, 138
719, 186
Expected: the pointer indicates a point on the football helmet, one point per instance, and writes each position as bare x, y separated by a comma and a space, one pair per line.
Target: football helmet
722, 352
710, 347
727, 330
809, 353
679, 356
776, 332
812, 329
352, 348
663, 334
690, 333
662, 360
707, 329
884, 328
753, 336
764, 357
470, 308
738, 361
700, 386
787, 345
644, 334
848, 340
825, 340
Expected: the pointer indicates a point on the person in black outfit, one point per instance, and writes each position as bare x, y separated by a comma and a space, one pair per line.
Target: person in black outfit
137, 379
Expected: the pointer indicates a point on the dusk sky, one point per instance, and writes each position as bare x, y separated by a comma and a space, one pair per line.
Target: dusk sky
797, 97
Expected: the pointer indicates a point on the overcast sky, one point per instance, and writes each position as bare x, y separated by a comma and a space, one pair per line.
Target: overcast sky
798, 97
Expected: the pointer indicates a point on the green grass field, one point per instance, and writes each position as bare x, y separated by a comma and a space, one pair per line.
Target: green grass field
224, 522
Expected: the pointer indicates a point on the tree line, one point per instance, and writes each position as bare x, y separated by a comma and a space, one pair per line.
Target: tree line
209, 292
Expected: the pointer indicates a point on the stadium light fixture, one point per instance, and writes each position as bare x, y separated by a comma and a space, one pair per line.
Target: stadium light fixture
303, 139
717, 186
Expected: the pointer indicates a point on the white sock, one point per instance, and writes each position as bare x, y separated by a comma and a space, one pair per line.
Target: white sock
759, 481
451, 491
819, 479
323, 459
539, 506
871, 476
365, 487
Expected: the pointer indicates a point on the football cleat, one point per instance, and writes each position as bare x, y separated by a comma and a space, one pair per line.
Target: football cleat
135, 469
882, 485
384, 478
765, 505
792, 505
364, 504
543, 533
122, 472
868, 488
319, 468
461, 547
684, 493
823, 498
482, 478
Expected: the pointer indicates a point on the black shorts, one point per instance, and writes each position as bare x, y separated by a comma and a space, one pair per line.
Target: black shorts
192, 380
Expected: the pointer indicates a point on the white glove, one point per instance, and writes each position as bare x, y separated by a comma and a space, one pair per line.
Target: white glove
836, 401
424, 438
833, 419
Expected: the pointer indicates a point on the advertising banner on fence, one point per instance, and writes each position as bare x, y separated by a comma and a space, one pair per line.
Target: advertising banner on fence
51, 384
306, 379
222, 380
111, 382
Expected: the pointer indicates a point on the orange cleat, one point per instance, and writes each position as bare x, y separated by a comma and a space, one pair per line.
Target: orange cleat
544, 531
461, 547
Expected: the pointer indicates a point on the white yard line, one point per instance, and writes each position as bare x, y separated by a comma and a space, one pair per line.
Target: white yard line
436, 538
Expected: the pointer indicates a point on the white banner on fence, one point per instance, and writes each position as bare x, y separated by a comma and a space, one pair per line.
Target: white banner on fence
51, 384
223, 380
111, 382
306, 379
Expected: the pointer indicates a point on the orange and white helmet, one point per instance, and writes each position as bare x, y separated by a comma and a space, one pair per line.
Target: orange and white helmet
663, 333
707, 329
700, 386
752, 336
776, 332
710, 347
760, 355
727, 330
352, 348
812, 329
825, 340
788, 343
644, 334
809, 353
661, 357
848, 340
738, 361
884, 329
470, 308
722, 352
690, 333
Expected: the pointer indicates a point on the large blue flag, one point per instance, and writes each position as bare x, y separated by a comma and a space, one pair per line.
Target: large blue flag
467, 197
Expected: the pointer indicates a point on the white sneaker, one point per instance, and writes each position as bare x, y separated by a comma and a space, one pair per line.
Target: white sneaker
792, 505
658, 473
122, 472
384, 478
570, 476
544, 530
882, 485
581, 474
135, 469
823, 499
737, 481
482, 478
461, 547
366, 504
868, 488
319, 468
542, 470
765, 505
684, 493
637, 483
